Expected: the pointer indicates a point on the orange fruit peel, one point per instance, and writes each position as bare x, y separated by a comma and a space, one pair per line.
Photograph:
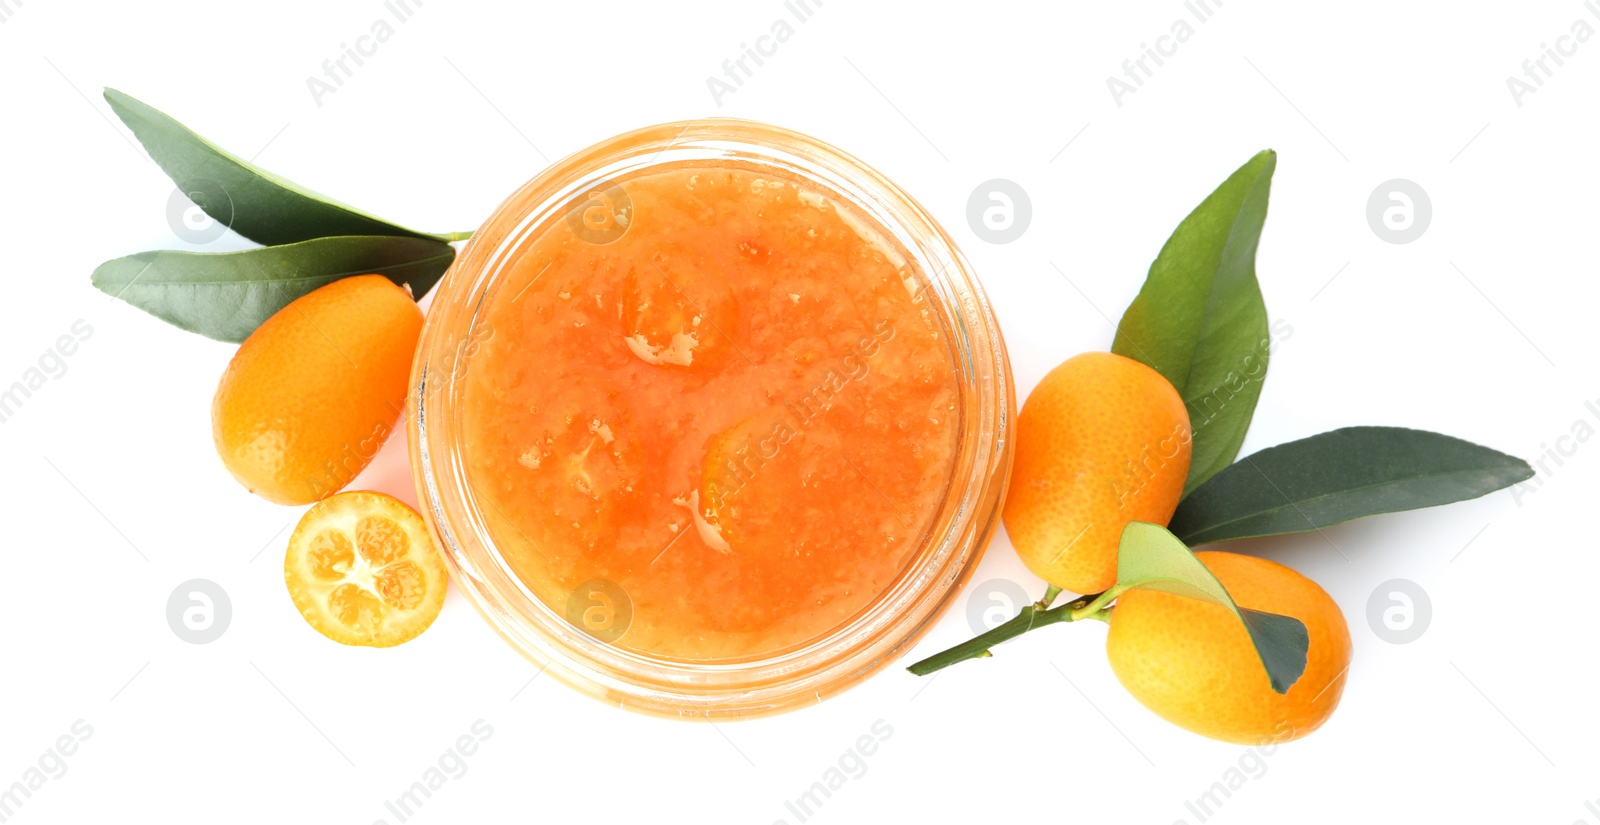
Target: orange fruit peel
1193, 663
1102, 441
314, 392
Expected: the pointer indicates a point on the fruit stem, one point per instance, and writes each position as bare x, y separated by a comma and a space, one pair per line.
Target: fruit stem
1101, 615
1031, 617
1048, 598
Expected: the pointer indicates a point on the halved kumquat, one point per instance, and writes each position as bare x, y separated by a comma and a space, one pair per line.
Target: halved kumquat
363, 570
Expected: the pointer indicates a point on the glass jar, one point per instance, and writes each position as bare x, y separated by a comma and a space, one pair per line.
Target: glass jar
874, 637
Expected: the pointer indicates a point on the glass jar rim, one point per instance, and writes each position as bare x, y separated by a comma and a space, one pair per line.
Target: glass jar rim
875, 636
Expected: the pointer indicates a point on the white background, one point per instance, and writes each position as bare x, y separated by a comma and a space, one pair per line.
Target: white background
1483, 328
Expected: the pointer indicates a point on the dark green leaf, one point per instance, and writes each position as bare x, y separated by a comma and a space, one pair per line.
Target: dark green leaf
1150, 558
226, 295
1200, 321
1282, 642
257, 204
1338, 476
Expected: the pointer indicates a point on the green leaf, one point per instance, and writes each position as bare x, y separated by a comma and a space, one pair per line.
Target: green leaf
1341, 475
1200, 321
255, 203
226, 295
1150, 558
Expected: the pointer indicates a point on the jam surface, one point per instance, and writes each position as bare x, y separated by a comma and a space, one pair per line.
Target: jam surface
710, 415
